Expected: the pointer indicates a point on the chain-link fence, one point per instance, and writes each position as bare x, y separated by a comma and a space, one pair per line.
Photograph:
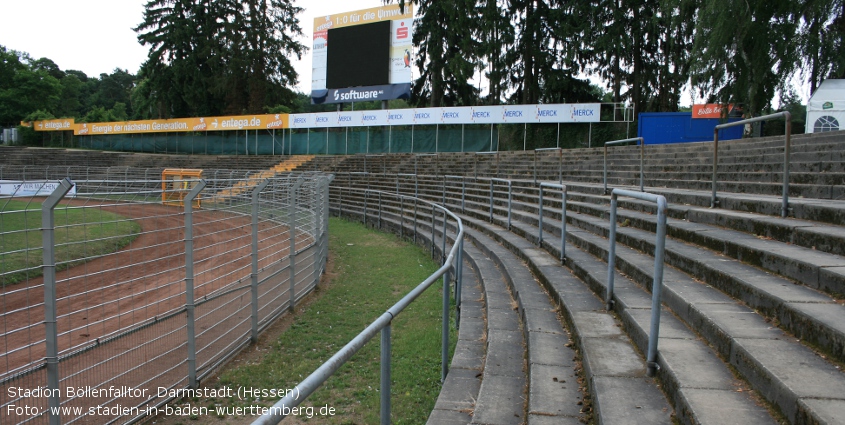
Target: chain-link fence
117, 293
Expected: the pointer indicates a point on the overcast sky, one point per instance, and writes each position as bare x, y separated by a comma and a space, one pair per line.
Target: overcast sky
95, 36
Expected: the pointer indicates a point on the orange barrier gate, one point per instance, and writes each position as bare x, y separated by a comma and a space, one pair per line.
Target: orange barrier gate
176, 183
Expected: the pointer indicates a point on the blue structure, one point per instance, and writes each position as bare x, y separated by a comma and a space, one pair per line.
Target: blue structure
658, 128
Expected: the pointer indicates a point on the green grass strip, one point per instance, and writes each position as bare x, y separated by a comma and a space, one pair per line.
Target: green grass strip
80, 233
373, 271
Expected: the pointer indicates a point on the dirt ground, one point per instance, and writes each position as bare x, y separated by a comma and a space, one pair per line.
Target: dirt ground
137, 286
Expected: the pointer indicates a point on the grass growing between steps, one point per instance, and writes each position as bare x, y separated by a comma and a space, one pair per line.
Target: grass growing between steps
370, 272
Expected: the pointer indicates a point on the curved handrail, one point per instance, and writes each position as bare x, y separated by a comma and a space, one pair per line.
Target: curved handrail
787, 117
276, 413
659, 253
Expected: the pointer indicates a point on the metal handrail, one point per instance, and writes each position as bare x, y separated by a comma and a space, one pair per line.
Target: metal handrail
560, 163
562, 188
642, 158
787, 148
305, 388
657, 282
510, 197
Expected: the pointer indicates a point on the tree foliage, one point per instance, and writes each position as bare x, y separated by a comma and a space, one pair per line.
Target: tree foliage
218, 57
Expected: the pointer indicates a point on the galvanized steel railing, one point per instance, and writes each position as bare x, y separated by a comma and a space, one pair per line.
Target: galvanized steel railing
642, 158
787, 117
562, 189
560, 163
165, 310
657, 283
451, 264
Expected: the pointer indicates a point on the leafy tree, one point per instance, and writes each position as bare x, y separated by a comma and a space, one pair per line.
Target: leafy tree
496, 35
745, 50
445, 38
71, 98
22, 89
822, 40
212, 57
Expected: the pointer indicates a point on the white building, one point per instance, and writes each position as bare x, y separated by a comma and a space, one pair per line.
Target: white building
826, 108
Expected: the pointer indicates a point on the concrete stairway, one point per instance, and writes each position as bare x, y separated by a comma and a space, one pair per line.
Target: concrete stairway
752, 325
753, 322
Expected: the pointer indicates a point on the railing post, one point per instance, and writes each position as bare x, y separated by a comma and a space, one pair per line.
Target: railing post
378, 222
48, 270
385, 375
714, 202
491, 200
611, 253
563, 225
444, 350
463, 195
366, 198
433, 225
189, 283
401, 217
786, 159
657, 287
657, 282
540, 233
292, 230
641, 141
510, 202
443, 237
254, 275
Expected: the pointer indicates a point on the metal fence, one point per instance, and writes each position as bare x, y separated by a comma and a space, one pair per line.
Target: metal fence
112, 301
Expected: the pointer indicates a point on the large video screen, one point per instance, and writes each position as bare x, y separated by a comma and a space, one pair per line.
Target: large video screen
358, 55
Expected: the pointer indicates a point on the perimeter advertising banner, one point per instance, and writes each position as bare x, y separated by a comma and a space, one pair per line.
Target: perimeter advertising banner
65, 124
30, 188
228, 123
506, 114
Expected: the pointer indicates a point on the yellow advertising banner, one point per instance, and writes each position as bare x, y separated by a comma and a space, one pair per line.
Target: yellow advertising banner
64, 124
364, 16
229, 123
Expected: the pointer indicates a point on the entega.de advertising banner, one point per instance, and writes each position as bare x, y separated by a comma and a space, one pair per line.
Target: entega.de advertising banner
64, 124
229, 123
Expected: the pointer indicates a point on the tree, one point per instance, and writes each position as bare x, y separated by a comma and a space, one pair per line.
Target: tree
745, 50
22, 89
822, 40
446, 45
212, 57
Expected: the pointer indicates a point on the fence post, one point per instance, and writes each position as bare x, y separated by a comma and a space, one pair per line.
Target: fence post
444, 349
292, 230
254, 276
611, 252
385, 375
51, 359
443, 236
317, 230
189, 282
459, 277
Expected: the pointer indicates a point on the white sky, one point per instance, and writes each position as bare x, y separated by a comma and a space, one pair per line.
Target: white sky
95, 36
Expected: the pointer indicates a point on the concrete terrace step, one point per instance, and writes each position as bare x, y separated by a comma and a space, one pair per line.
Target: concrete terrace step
702, 388
553, 390
747, 345
803, 311
619, 391
457, 400
501, 398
